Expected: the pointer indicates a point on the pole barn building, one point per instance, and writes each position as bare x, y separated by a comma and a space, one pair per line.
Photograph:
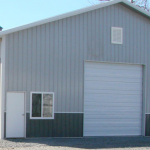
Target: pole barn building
84, 73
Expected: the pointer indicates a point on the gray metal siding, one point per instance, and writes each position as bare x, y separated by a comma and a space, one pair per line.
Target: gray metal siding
51, 57
64, 125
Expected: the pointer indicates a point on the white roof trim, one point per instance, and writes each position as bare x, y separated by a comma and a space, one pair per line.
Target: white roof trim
73, 13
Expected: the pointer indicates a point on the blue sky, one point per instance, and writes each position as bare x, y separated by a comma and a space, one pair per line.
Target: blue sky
15, 13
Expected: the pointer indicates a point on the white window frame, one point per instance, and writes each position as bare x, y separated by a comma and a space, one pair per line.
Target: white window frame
41, 105
115, 42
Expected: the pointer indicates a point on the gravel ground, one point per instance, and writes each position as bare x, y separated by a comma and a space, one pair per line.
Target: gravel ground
118, 143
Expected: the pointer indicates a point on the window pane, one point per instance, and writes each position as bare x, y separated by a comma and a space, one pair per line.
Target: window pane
36, 105
47, 105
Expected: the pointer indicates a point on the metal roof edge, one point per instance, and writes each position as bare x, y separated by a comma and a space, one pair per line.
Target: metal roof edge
73, 13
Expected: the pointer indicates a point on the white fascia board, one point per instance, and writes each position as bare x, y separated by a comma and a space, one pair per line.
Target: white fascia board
2, 87
73, 13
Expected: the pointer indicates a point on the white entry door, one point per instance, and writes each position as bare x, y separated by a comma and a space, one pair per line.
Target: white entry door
15, 115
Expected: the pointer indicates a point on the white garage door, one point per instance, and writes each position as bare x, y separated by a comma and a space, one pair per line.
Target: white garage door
112, 99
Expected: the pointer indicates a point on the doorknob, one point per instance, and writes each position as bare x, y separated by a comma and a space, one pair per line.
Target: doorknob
22, 114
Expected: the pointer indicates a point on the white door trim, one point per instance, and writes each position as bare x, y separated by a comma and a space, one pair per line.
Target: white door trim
144, 79
24, 108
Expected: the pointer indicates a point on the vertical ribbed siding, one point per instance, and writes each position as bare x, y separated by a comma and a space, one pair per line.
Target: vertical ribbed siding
147, 124
51, 57
64, 125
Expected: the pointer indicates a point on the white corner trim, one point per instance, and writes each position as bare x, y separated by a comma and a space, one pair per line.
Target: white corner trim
73, 13
2, 81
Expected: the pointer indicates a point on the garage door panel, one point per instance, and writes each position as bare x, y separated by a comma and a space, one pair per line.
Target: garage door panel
110, 109
113, 85
135, 113
110, 79
112, 99
109, 124
110, 112
113, 73
112, 66
110, 128
118, 92
113, 108
98, 98
110, 102
113, 121
113, 126
106, 104
112, 116
114, 133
